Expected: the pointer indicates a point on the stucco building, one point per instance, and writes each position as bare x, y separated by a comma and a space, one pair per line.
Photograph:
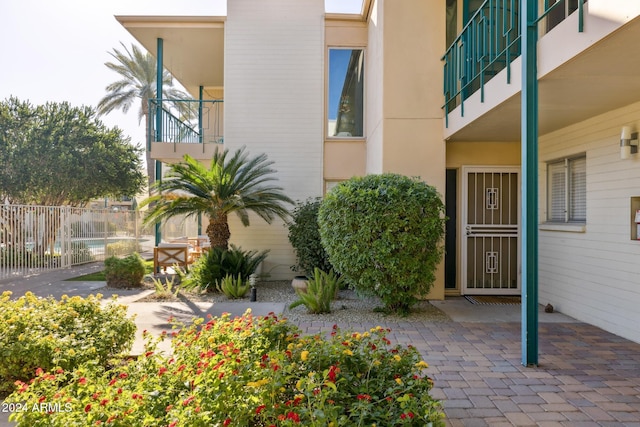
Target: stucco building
432, 89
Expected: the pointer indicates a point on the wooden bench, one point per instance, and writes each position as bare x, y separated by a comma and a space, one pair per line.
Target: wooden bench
169, 255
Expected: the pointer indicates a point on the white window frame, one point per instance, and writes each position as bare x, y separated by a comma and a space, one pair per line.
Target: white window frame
570, 189
326, 125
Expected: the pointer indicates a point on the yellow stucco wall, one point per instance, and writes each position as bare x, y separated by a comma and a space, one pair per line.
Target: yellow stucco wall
482, 153
412, 144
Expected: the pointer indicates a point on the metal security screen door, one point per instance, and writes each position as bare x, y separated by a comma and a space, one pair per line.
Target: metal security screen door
490, 248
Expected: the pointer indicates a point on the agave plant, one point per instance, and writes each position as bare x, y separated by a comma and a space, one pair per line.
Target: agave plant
322, 288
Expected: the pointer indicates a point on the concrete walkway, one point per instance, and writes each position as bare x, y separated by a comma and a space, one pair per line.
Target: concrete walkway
586, 376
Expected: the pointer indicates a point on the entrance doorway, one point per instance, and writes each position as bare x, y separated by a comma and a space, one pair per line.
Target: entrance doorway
490, 242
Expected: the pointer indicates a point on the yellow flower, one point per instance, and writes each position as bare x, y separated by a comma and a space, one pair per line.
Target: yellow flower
399, 381
299, 385
376, 363
258, 383
304, 355
422, 364
299, 396
397, 358
348, 352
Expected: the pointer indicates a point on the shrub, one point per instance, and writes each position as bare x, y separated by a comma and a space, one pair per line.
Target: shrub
246, 371
322, 288
217, 263
124, 272
384, 233
304, 235
44, 333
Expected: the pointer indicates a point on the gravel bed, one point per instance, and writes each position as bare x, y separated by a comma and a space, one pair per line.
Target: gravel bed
347, 308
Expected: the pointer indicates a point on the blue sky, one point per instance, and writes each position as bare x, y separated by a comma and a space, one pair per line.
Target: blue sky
56, 50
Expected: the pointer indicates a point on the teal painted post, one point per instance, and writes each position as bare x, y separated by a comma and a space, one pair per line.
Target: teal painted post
159, 75
201, 131
529, 150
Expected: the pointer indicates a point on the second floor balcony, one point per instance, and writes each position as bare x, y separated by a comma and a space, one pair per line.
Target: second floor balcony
179, 127
588, 59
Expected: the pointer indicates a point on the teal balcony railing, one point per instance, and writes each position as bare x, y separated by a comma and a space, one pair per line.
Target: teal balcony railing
488, 44
186, 121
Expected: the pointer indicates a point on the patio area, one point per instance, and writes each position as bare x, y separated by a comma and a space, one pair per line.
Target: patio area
586, 376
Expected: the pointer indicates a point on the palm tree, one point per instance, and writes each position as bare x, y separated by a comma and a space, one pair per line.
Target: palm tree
138, 84
231, 184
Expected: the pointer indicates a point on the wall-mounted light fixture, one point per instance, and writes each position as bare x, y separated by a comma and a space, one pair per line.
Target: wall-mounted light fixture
628, 142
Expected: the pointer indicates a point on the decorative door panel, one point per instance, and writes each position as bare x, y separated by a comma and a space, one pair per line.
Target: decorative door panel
490, 242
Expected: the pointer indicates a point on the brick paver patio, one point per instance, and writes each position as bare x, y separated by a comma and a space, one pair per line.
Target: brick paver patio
586, 376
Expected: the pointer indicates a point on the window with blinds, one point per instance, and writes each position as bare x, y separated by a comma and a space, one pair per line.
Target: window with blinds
567, 190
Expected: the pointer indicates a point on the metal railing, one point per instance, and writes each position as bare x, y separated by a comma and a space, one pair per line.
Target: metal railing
488, 44
38, 238
186, 121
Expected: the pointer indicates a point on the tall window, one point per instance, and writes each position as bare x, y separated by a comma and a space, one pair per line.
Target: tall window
345, 113
567, 190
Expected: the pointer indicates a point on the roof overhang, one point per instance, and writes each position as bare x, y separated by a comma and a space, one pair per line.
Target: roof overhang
193, 47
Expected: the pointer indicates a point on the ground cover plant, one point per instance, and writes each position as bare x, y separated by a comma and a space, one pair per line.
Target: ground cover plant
45, 334
384, 234
245, 371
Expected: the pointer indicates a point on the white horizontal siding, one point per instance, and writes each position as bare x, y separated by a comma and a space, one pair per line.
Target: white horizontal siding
595, 276
274, 83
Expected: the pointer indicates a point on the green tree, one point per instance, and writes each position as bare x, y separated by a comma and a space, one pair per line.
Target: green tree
137, 84
234, 183
56, 154
384, 233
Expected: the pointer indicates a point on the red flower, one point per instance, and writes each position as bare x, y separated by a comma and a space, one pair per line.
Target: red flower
87, 408
333, 370
148, 353
293, 416
113, 381
173, 424
260, 408
188, 400
82, 381
103, 402
39, 372
364, 397
168, 408
161, 371
226, 422
123, 375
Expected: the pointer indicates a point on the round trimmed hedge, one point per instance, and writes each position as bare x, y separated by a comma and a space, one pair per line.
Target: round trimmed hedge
384, 234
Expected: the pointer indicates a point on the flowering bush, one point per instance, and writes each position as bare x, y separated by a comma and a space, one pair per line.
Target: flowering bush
245, 371
46, 333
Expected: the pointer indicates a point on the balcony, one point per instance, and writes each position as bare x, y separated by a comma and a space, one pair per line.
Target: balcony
179, 127
587, 64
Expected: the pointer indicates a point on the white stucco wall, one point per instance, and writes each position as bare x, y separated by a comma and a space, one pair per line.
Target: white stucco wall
374, 89
274, 83
594, 275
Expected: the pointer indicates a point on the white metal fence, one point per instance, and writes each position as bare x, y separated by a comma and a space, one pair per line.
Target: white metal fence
38, 238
